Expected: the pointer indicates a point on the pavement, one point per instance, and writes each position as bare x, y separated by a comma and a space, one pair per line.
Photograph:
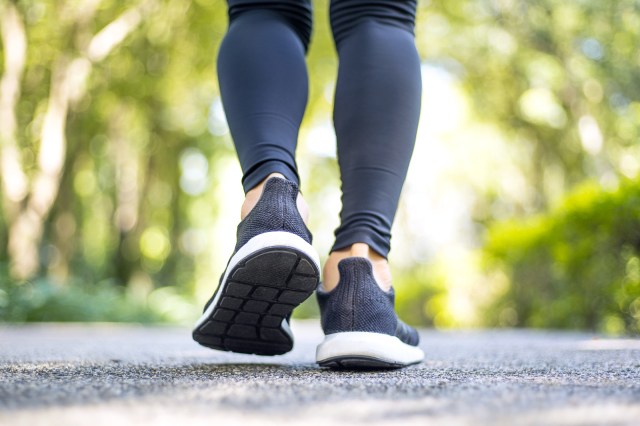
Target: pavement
104, 374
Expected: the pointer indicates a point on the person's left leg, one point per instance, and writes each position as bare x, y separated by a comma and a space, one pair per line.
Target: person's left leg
264, 84
274, 267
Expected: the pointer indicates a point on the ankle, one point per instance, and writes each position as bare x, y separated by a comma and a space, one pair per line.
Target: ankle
253, 195
381, 270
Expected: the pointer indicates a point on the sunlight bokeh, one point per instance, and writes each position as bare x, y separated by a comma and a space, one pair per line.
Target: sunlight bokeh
120, 189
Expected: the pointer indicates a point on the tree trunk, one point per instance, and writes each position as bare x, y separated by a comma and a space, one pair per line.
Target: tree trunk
68, 85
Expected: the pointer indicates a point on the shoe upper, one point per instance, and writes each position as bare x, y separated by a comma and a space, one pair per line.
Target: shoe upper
276, 210
359, 304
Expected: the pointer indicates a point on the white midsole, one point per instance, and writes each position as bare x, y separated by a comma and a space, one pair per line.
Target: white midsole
259, 242
372, 345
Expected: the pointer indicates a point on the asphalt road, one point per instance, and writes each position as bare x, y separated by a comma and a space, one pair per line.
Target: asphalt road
110, 374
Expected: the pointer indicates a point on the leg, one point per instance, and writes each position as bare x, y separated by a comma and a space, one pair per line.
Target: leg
377, 106
263, 84
273, 268
376, 114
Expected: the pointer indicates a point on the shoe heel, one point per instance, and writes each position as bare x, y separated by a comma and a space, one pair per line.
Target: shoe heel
357, 303
265, 280
361, 327
366, 350
276, 210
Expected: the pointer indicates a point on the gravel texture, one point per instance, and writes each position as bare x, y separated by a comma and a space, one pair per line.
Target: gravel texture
114, 374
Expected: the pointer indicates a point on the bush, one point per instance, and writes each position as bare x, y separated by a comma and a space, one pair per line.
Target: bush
577, 266
43, 300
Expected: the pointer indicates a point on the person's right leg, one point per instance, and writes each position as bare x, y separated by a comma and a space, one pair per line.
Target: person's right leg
377, 106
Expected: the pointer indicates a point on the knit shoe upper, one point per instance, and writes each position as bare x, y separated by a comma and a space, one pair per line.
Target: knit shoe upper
358, 304
276, 210
272, 270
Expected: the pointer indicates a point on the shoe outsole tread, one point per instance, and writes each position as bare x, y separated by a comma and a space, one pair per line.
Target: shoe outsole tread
259, 293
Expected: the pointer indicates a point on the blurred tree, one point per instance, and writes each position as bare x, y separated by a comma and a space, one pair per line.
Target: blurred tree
30, 197
111, 160
559, 79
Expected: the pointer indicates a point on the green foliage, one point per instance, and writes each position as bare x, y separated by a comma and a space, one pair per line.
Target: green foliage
577, 266
421, 296
129, 237
43, 300
558, 78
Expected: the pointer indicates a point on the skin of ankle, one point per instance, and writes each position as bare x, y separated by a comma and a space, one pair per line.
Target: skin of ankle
381, 270
253, 195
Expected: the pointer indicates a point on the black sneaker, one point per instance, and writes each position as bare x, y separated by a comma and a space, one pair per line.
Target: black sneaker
361, 326
272, 270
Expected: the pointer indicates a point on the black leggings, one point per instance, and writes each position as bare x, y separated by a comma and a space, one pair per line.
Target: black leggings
264, 89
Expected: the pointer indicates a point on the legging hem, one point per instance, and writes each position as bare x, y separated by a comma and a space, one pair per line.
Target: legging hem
259, 172
375, 242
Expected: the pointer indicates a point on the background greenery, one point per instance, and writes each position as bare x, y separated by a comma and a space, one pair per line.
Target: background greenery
521, 208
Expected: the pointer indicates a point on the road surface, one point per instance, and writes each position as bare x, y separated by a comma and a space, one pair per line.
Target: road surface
125, 374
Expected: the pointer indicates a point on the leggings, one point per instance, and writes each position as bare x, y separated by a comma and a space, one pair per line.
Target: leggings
264, 89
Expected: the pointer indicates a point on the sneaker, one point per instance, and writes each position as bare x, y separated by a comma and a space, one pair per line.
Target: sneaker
272, 270
361, 326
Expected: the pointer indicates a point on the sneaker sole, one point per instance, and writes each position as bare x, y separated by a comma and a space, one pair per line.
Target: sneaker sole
264, 281
364, 350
